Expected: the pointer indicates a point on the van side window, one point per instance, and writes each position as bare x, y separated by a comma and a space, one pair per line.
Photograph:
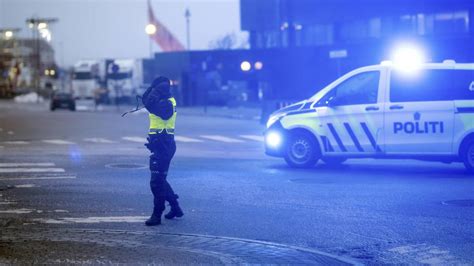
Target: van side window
359, 89
425, 85
463, 85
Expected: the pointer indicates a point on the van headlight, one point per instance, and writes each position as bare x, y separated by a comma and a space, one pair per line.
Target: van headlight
273, 139
274, 118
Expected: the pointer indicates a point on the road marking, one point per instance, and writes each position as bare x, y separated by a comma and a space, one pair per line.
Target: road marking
1, 129
16, 142
136, 139
17, 211
25, 186
94, 220
31, 170
26, 164
186, 139
252, 137
99, 140
37, 177
221, 138
10, 133
57, 141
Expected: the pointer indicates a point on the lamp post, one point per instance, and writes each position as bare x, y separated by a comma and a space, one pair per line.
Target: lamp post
187, 15
39, 27
150, 30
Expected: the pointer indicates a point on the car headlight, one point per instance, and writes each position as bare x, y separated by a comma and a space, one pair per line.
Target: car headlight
274, 118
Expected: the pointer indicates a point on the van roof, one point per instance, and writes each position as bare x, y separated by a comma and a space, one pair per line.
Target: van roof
447, 64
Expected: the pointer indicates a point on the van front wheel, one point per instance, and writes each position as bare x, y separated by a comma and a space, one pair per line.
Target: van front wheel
468, 156
302, 151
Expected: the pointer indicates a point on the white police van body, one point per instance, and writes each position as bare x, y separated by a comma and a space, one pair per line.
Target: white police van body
381, 111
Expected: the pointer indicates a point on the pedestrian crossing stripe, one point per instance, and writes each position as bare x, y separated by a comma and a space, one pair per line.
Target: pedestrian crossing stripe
186, 139
57, 141
16, 142
99, 140
136, 139
26, 164
221, 138
253, 137
31, 170
45, 177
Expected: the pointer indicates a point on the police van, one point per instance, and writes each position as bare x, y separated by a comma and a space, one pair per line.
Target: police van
381, 111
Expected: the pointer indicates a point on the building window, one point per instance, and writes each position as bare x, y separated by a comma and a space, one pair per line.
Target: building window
354, 30
318, 34
451, 23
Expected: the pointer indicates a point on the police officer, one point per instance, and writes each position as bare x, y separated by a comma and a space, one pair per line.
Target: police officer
162, 107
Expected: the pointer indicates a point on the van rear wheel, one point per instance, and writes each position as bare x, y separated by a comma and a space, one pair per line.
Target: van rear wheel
468, 156
302, 151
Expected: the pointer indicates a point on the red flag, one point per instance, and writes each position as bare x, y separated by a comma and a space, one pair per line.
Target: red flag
163, 37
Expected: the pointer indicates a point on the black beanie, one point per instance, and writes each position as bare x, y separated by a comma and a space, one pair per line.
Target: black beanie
161, 82
162, 85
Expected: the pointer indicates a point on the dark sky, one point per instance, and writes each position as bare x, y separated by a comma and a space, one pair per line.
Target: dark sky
93, 29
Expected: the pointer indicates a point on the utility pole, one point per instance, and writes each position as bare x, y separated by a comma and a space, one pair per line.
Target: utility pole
187, 15
37, 25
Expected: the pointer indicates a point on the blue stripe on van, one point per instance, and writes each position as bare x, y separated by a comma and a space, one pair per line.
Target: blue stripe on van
353, 137
336, 137
327, 144
371, 137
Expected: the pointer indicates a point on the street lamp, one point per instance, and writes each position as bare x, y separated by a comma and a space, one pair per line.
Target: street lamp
8, 34
150, 30
39, 27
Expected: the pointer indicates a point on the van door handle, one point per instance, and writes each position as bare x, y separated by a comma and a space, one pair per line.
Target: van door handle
396, 107
372, 108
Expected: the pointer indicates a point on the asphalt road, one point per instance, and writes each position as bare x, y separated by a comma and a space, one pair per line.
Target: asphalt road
74, 188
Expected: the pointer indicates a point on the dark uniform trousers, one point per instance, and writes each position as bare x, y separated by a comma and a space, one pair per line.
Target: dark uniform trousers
163, 148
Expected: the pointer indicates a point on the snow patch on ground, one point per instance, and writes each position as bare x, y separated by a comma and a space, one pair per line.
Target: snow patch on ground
31, 97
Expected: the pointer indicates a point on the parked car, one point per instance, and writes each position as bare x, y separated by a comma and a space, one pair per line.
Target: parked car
63, 100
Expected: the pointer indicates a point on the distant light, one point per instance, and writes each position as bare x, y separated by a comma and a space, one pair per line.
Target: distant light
42, 25
31, 25
245, 66
46, 72
298, 27
258, 65
45, 34
150, 29
408, 58
273, 139
284, 26
8, 34
52, 72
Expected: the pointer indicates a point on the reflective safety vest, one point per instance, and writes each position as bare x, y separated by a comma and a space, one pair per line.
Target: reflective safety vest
158, 125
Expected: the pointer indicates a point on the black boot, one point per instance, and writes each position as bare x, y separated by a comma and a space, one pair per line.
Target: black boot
175, 209
153, 220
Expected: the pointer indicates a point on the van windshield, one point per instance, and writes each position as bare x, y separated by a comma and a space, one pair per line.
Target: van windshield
82, 75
